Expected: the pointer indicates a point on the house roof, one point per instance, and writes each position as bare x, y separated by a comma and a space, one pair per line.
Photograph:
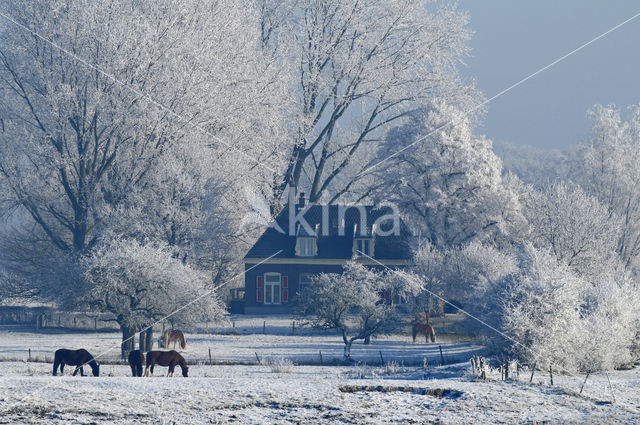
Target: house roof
334, 226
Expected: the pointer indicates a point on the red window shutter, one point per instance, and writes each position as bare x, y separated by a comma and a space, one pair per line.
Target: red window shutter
259, 289
285, 289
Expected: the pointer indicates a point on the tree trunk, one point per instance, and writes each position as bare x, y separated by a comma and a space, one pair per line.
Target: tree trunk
347, 349
146, 340
149, 339
128, 341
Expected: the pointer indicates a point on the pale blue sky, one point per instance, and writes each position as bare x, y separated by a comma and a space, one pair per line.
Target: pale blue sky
514, 38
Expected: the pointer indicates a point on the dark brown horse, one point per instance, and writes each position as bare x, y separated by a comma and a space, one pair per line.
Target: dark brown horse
77, 358
174, 335
166, 358
136, 361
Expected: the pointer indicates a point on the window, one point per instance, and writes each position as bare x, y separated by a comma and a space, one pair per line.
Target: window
272, 288
304, 283
363, 246
306, 247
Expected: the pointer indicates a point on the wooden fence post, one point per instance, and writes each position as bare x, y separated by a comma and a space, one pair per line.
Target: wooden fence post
441, 356
533, 370
584, 382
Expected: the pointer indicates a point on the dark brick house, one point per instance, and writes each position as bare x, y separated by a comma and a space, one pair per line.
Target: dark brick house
319, 239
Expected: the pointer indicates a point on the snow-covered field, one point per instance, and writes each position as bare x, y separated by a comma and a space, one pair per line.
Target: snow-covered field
242, 346
307, 394
256, 394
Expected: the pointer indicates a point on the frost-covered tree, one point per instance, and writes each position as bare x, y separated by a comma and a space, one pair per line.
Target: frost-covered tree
574, 226
611, 321
353, 304
608, 169
359, 67
108, 106
449, 183
542, 311
462, 275
552, 315
143, 284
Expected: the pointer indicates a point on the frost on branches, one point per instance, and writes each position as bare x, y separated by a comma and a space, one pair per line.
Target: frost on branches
449, 181
352, 303
143, 284
359, 67
138, 122
608, 169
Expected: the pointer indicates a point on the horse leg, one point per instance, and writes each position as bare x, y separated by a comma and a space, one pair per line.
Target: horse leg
147, 369
75, 372
55, 368
413, 334
172, 367
61, 368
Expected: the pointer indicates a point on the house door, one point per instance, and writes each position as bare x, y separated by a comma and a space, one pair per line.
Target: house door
272, 288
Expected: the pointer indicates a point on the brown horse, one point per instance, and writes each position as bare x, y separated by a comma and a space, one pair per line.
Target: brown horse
423, 328
166, 358
136, 361
174, 335
77, 358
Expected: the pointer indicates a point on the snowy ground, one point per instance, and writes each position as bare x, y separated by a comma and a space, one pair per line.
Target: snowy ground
296, 394
240, 345
307, 394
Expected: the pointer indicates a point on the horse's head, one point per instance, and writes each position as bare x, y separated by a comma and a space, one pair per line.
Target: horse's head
95, 368
185, 371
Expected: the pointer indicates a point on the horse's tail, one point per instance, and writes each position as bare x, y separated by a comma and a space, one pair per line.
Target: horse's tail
433, 335
183, 341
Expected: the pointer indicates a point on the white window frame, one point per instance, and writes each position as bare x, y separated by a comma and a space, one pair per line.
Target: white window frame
306, 246
301, 287
357, 250
272, 288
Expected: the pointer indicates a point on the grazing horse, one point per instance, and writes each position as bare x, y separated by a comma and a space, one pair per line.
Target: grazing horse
166, 358
77, 358
174, 335
423, 328
136, 361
